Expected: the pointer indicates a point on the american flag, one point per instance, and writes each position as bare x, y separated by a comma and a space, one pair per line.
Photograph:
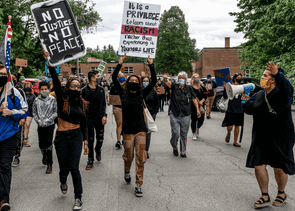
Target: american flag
8, 46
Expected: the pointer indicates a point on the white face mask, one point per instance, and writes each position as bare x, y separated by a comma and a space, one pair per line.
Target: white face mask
181, 82
44, 93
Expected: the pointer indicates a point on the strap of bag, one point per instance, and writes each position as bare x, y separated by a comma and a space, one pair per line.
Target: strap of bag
268, 105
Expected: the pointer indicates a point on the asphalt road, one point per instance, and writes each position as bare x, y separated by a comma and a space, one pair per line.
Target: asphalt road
212, 177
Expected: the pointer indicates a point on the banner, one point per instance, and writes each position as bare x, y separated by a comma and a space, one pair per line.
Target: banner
222, 75
139, 31
58, 31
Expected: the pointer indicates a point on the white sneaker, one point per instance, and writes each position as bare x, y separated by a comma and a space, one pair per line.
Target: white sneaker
194, 137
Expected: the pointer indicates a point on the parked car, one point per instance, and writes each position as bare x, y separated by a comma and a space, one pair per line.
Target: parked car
245, 80
35, 84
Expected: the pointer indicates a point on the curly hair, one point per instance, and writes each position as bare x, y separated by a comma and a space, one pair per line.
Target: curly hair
66, 105
28, 84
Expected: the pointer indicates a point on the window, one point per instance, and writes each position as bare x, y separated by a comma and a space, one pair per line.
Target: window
94, 68
110, 69
129, 70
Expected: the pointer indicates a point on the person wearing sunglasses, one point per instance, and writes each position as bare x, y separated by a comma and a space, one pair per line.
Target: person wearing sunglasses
272, 133
71, 131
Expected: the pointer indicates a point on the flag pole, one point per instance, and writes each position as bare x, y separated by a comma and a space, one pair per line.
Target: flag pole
7, 65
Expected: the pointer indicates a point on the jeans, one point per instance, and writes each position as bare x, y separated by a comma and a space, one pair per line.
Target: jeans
7, 150
179, 124
99, 128
148, 135
45, 135
68, 146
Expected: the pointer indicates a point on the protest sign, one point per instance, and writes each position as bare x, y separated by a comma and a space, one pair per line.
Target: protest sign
222, 75
21, 62
58, 31
115, 100
139, 31
102, 66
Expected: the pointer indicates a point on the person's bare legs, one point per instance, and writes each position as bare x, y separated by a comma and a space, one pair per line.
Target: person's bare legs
119, 129
282, 179
262, 179
27, 130
229, 129
236, 134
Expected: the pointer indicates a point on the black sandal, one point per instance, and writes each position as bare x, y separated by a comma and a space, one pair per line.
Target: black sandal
262, 202
279, 201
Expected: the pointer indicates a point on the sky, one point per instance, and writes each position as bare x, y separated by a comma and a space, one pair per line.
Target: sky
208, 20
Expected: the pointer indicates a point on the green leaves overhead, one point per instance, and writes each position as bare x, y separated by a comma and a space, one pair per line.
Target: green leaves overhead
175, 48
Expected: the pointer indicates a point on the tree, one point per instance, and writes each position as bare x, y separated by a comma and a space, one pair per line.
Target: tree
25, 42
175, 48
269, 27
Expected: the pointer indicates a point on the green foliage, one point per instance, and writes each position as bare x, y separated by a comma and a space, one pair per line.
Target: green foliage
25, 42
175, 48
269, 27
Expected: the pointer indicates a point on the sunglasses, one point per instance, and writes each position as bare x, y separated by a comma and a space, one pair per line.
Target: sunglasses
74, 86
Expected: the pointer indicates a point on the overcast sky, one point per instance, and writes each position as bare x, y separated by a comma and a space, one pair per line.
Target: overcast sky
208, 20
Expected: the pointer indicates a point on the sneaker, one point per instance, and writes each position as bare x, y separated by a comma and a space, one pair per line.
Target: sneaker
208, 116
138, 192
16, 162
64, 188
26, 144
4, 205
183, 156
118, 145
98, 155
127, 177
175, 152
194, 137
78, 204
49, 168
89, 165
147, 155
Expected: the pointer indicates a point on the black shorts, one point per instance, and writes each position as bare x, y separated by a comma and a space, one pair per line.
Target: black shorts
231, 119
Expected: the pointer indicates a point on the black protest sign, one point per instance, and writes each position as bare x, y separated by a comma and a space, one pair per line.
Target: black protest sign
58, 31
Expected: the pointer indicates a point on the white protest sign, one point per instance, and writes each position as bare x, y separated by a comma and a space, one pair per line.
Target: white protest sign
139, 31
58, 31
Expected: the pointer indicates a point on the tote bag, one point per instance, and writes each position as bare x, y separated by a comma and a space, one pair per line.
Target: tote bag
149, 121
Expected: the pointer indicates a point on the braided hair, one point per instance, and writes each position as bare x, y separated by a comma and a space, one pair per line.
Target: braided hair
66, 105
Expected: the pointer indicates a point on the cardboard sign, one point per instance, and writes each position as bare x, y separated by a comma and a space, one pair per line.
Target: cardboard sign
58, 31
21, 62
222, 75
115, 100
139, 31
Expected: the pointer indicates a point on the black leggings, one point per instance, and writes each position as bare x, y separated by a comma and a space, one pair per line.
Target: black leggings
194, 121
162, 101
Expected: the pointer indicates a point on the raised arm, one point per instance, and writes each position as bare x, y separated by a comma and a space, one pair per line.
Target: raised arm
153, 82
168, 83
56, 84
115, 75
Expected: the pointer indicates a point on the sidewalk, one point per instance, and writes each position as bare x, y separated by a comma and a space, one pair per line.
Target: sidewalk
292, 107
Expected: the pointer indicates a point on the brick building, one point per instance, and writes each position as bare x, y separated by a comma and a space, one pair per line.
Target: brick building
216, 58
130, 67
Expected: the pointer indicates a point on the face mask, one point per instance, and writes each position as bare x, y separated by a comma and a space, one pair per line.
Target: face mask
27, 89
145, 84
263, 84
44, 93
239, 81
133, 86
197, 80
73, 94
181, 82
121, 79
3, 80
98, 80
159, 83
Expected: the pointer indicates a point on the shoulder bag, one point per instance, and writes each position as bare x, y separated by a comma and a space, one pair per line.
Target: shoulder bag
149, 121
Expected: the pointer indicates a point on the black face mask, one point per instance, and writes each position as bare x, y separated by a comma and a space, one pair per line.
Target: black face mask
239, 81
133, 86
73, 94
3, 80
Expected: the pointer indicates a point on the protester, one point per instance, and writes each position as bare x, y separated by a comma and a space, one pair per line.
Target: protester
211, 86
272, 133
201, 93
71, 131
167, 93
28, 89
44, 113
180, 113
11, 112
161, 95
152, 103
95, 96
117, 109
234, 115
134, 127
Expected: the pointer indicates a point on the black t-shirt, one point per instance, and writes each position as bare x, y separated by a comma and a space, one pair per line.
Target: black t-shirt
201, 94
113, 91
210, 87
181, 99
234, 105
152, 102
